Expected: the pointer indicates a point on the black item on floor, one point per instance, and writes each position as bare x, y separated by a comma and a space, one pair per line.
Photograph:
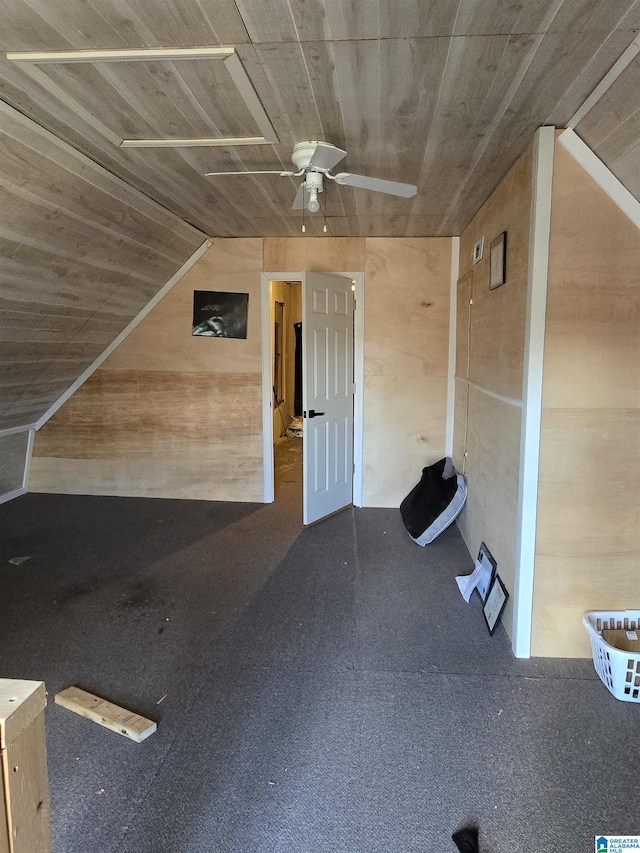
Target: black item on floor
434, 503
466, 840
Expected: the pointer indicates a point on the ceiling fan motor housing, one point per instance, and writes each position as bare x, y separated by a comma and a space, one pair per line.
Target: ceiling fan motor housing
303, 153
313, 182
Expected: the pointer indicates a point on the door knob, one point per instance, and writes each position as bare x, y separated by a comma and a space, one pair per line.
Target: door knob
313, 414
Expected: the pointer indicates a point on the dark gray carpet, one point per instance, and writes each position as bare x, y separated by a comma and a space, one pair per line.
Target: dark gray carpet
326, 690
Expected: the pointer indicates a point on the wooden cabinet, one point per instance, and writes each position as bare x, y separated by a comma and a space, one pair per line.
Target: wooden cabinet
24, 790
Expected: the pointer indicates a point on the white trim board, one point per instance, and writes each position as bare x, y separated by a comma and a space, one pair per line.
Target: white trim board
602, 175
12, 430
605, 84
124, 334
9, 496
358, 397
358, 401
268, 484
451, 370
131, 54
28, 458
539, 233
31, 62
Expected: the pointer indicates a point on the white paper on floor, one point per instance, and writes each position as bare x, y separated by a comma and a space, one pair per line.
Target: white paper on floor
480, 577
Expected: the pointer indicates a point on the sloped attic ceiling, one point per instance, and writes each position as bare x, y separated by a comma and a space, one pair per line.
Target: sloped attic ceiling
82, 254
441, 93
611, 128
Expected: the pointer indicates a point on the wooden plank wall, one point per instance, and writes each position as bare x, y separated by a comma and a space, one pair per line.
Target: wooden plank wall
489, 373
406, 319
168, 415
82, 254
13, 458
407, 286
588, 533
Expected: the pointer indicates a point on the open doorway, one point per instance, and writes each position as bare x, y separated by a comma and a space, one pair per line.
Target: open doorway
314, 290
285, 300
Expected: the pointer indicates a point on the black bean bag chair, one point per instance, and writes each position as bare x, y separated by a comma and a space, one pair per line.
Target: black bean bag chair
435, 502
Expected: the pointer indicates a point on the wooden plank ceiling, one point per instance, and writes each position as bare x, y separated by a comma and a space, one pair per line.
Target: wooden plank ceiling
441, 93
82, 253
611, 128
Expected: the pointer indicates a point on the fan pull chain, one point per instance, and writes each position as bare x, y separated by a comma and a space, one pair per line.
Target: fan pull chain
324, 216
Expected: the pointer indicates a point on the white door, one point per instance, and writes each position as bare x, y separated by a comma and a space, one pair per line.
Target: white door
327, 394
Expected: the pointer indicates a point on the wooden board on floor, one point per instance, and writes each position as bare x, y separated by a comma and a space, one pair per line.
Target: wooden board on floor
106, 714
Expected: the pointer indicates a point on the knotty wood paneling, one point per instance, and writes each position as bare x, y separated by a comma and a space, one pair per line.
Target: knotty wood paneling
324, 254
463, 320
497, 323
490, 338
460, 413
445, 95
290, 20
163, 342
58, 24
404, 430
82, 255
588, 533
405, 363
156, 434
492, 472
169, 414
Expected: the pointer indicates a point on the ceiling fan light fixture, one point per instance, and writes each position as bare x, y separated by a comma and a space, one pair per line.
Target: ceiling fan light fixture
314, 204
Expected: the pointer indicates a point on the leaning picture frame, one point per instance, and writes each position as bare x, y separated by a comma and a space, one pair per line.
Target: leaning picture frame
495, 603
489, 566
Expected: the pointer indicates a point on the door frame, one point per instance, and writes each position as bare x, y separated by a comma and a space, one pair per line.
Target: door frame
267, 392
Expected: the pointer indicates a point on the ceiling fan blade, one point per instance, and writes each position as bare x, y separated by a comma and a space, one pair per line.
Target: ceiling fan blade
298, 202
282, 174
376, 184
326, 156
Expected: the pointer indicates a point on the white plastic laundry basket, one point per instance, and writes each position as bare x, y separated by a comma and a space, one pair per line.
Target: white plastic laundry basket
619, 670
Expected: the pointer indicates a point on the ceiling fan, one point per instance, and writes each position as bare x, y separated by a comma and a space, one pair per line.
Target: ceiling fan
314, 160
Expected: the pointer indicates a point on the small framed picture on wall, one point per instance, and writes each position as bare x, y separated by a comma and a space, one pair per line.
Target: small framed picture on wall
498, 261
217, 314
